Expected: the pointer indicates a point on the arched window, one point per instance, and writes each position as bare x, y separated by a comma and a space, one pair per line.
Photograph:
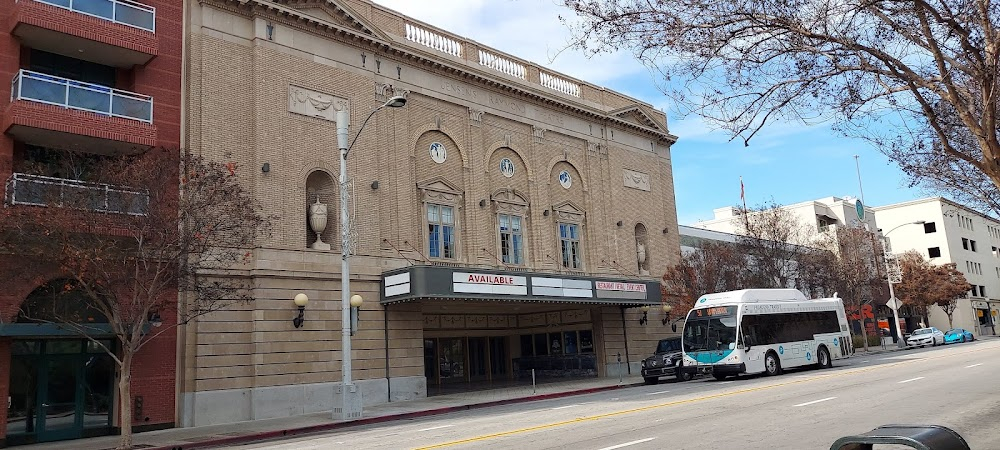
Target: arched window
59, 301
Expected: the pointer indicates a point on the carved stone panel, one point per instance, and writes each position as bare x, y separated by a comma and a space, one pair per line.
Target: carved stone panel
314, 104
432, 321
453, 321
475, 321
553, 318
531, 320
576, 316
498, 321
636, 180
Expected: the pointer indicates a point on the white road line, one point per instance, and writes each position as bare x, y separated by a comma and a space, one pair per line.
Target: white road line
974, 365
865, 361
436, 428
657, 392
613, 447
725, 382
911, 379
816, 401
564, 407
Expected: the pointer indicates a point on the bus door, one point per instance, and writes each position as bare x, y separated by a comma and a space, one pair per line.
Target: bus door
752, 344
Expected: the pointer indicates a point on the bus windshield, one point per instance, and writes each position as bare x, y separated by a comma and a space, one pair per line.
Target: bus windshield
710, 333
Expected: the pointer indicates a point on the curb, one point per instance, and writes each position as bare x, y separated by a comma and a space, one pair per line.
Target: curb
274, 434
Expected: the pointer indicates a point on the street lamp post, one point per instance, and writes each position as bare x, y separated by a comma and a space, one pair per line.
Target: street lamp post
351, 405
893, 274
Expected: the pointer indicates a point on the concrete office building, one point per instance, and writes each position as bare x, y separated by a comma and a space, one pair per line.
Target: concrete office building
952, 233
508, 218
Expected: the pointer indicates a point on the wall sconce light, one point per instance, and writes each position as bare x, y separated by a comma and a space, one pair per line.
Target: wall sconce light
155, 320
300, 301
645, 315
619, 223
545, 213
374, 185
482, 203
270, 31
265, 168
356, 302
666, 315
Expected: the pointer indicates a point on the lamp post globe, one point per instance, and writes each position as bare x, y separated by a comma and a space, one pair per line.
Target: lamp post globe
301, 300
356, 301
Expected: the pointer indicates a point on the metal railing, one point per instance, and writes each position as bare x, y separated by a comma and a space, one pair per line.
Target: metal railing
125, 12
52, 90
37, 190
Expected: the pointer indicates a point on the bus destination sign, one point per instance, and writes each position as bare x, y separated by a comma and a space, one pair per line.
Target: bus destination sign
715, 311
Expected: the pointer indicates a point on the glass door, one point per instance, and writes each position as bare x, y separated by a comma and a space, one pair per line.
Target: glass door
477, 359
451, 359
60, 412
498, 358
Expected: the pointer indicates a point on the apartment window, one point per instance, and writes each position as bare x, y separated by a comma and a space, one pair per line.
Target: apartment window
965, 243
569, 238
929, 227
72, 68
511, 239
982, 291
993, 250
934, 252
972, 245
441, 231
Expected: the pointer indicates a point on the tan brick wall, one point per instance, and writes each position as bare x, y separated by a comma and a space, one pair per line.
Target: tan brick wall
238, 110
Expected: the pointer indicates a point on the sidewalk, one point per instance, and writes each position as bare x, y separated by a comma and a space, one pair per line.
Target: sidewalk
241, 432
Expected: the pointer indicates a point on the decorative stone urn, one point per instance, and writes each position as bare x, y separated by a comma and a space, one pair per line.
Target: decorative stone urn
640, 254
317, 221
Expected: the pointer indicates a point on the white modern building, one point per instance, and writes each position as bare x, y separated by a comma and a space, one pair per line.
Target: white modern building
821, 213
952, 233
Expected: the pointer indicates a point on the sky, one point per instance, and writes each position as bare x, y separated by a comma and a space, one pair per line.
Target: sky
786, 163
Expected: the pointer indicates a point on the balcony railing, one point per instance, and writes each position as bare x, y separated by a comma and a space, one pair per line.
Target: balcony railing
124, 12
39, 87
36, 190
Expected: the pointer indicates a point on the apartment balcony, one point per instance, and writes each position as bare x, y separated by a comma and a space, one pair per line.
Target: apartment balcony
61, 113
36, 190
119, 33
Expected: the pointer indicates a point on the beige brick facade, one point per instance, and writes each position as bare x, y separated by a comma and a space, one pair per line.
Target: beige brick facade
252, 64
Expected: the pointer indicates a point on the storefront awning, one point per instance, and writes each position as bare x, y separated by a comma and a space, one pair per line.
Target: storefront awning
433, 282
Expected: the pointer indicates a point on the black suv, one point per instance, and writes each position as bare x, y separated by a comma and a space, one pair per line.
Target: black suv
665, 363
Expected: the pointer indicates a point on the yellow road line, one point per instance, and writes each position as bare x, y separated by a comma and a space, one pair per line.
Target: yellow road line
678, 402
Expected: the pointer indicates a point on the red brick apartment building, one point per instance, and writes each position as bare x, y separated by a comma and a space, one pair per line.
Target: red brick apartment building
95, 76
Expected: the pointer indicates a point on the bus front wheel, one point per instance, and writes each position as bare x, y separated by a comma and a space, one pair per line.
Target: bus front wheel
772, 365
823, 357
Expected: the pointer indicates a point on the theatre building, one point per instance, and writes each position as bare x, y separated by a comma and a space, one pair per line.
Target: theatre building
79, 80
507, 219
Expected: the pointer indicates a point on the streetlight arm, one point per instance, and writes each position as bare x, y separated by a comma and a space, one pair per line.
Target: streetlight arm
362, 128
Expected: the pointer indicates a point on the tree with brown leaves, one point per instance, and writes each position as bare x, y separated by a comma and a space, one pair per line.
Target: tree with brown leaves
925, 284
713, 267
157, 225
918, 78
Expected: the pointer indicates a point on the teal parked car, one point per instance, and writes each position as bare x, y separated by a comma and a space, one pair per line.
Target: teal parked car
958, 335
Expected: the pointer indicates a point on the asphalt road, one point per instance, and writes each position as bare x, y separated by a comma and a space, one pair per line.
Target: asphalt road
957, 386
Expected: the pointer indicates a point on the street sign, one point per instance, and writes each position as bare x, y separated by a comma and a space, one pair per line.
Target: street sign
894, 303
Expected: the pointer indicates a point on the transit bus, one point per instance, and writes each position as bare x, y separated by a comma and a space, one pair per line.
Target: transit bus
755, 331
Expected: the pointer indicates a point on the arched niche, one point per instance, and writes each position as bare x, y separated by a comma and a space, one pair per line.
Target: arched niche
642, 253
321, 189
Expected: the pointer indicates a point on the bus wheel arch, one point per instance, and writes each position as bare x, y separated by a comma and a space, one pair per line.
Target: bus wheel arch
772, 364
823, 358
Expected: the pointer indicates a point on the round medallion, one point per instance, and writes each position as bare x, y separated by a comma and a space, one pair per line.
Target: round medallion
438, 153
565, 179
507, 167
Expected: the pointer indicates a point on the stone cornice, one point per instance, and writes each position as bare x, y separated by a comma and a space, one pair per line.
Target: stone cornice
391, 45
